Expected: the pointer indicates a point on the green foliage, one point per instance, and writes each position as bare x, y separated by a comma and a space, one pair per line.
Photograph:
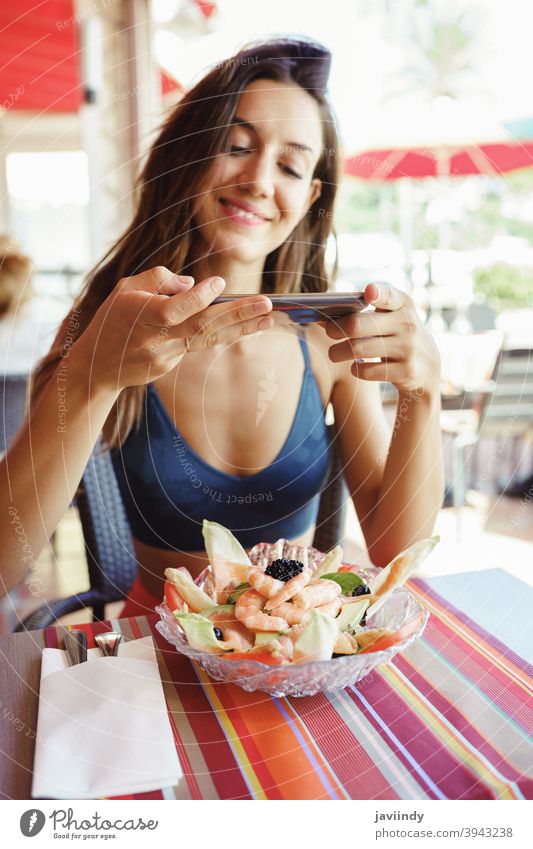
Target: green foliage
373, 207
366, 207
505, 285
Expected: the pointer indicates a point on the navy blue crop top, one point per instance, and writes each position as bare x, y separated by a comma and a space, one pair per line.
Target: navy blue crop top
168, 489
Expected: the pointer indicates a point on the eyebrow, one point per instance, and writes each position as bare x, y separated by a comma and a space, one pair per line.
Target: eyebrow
295, 145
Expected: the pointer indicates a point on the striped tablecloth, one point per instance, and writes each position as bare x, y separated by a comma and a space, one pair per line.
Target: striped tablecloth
450, 718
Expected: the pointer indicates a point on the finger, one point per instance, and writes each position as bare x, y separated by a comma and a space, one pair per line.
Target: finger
180, 283
226, 335
169, 312
157, 280
384, 297
384, 371
367, 324
218, 316
373, 346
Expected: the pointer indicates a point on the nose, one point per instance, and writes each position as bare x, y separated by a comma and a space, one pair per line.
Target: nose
258, 174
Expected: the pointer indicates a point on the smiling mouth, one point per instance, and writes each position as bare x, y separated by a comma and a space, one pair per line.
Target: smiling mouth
242, 213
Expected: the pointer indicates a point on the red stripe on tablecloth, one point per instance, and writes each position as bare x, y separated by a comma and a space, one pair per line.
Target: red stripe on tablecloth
463, 726
452, 777
229, 696
135, 630
507, 653
285, 751
356, 771
223, 768
489, 679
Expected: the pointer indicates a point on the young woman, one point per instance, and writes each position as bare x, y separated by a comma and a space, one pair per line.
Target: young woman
216, 411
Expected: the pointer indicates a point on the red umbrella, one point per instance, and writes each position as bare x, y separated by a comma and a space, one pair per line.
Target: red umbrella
447, 139
450, 161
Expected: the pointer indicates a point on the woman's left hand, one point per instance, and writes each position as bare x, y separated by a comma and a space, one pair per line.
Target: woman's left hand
409, 357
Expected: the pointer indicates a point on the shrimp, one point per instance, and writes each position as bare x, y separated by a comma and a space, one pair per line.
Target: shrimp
319, 592
290, 587
286, 646
294, 615
249, 611
237, 636
264, 584
330, 608
234, 633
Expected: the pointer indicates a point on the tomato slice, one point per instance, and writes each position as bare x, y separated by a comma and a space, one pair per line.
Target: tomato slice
172, 597
387, 640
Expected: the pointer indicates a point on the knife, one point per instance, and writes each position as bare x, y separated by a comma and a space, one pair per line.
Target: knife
76, 647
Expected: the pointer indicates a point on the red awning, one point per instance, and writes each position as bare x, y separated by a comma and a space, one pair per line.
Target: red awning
168, 83
39, 56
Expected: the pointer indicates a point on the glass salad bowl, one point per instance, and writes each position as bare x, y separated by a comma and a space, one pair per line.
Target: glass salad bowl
304, 678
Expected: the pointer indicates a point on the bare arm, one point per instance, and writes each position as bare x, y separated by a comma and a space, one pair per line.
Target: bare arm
396, 481
40, 473
141, 332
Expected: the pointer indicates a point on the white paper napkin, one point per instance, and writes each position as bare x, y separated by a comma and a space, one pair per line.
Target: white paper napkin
103, 727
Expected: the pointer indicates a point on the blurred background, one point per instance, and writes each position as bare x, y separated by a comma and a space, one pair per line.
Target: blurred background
435, 110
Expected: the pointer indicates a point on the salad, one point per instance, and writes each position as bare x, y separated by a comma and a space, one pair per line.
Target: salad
279, 611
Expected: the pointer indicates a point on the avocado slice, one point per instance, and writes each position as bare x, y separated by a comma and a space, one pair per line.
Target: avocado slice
263, 637
200, 633
351, 614
218, 610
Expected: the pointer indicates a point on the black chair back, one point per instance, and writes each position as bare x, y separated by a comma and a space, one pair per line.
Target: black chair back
13, 388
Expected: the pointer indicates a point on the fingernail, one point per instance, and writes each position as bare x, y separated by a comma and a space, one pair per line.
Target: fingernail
217, 284
184, 278
265, 323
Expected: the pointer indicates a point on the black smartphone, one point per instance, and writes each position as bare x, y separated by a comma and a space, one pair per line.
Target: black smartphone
306, 308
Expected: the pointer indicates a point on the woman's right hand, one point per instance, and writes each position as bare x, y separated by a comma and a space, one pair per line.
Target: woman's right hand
150, 320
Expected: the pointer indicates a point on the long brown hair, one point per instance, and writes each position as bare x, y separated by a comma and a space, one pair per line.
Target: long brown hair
162, 231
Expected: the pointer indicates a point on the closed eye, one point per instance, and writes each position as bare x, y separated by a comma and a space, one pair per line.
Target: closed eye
290, 171
234, 149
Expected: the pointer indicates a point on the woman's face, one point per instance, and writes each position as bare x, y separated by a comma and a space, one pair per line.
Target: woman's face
262, 186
